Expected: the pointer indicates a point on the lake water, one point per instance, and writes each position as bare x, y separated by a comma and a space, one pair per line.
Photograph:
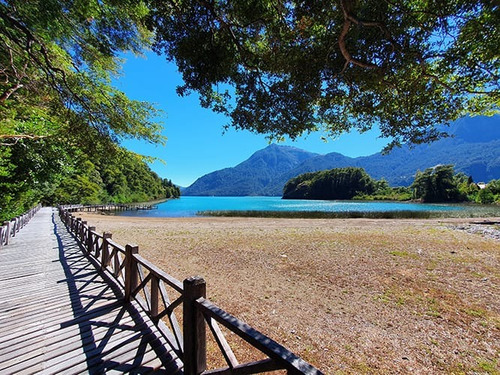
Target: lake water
191, 206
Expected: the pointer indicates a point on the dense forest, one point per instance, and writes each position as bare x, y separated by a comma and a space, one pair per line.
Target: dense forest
338, 183
434, 185
50, 172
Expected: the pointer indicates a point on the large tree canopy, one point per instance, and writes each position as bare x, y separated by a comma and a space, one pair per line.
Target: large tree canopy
56, 61
288, 67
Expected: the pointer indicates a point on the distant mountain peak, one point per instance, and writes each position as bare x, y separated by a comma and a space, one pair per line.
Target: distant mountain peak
251, 176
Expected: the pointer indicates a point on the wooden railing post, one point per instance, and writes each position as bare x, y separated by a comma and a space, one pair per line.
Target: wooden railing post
7, 234
155, 295
90, 239
82, 230
14, 227
195, 345
2, 229
105, 249
77, 222
131, 273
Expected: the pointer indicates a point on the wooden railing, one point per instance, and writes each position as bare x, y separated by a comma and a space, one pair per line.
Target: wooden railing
12, 227
161, 296
108, 207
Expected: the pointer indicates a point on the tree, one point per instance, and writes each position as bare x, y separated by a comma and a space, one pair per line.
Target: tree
59, 113
490, 194
289, 67
437, 184
338, 183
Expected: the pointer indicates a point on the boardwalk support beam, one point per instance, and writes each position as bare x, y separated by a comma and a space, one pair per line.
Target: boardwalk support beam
195, 357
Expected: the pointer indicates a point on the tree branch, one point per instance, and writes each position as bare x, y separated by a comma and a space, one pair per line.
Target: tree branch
17, 137
9, 92
346, 10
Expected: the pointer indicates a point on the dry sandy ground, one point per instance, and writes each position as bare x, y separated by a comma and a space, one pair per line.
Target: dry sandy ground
349, 296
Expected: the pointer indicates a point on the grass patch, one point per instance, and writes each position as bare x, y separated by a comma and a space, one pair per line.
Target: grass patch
433, 308
488, 366
403, 254
327, 215
470, 211
477, 313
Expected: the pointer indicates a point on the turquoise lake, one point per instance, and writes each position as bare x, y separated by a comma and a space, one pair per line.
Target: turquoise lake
191, 206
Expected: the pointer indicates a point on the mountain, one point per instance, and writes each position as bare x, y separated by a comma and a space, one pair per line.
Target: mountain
473, 148
251, 176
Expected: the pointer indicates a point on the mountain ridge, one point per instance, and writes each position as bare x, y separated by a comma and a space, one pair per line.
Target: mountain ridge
252, 175
474, 149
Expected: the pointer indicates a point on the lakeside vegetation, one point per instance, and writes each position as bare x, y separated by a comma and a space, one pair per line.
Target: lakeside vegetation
434, 185
47, 171
471, 211
326, 215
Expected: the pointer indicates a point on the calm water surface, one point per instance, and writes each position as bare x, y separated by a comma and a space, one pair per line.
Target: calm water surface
190, 206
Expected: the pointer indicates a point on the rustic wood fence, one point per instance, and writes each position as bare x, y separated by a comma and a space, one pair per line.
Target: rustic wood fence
109, 207
12, 227
161, 296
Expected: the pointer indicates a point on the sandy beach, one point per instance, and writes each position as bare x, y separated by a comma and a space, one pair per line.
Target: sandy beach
349, 296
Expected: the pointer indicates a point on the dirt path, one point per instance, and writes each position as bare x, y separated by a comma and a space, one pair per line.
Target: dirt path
350, 296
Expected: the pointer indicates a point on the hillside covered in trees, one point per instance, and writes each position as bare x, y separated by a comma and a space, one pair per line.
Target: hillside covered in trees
48, 171
339, 183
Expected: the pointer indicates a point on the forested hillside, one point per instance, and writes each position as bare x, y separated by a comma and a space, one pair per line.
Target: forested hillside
251, 176
61, 121
339, 183
50, 172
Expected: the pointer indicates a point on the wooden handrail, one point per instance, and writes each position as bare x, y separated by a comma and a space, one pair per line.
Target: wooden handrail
145, 283
279, 356
11, 227
107, 207
162, 275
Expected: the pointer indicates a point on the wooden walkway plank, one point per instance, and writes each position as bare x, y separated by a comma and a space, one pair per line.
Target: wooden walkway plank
58, 314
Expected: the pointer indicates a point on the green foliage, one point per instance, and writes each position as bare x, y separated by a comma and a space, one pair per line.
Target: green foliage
485, 196
124, 178
171, 190
399, 193
52, 171
434, 185
293, 67
339, 183
57, 61
60, 119
490, 194
437, 184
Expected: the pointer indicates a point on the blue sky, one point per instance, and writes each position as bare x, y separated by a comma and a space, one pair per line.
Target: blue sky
196, 143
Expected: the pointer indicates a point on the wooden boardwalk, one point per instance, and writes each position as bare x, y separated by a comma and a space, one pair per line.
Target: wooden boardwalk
59, 315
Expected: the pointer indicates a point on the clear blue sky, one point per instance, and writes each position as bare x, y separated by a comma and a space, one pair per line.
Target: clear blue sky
196, 143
